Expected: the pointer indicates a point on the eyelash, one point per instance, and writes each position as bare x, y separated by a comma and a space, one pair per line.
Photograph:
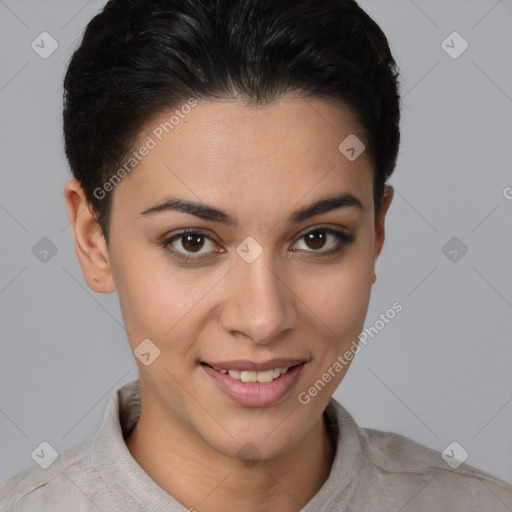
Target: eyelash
343, 239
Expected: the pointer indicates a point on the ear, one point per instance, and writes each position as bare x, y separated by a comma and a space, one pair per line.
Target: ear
380, 232
90, 244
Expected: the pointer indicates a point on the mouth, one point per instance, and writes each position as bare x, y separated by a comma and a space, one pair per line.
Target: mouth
255, 384
253, 376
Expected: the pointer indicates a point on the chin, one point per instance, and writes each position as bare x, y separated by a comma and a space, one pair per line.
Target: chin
251, 440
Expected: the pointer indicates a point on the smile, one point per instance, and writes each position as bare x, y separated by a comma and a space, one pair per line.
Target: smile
252, 376
255, 384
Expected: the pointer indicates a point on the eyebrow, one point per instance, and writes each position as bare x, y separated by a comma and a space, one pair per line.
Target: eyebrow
211, 213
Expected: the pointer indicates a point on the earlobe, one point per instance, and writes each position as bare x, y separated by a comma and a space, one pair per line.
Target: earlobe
90, 245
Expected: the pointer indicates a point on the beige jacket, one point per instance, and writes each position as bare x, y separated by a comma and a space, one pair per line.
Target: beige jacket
373, 471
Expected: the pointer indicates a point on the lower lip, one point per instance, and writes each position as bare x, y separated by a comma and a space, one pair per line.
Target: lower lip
255, 394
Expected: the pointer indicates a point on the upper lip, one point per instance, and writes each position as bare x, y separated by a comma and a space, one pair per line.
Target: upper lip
245, 365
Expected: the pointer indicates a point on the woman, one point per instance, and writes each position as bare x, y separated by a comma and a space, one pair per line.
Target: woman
230, 161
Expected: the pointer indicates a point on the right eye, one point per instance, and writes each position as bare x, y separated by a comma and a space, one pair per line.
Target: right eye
187, 243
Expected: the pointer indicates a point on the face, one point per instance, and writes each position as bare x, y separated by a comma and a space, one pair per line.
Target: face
218, 258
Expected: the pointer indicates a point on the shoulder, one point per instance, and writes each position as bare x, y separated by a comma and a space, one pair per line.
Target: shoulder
66, 482
401, 462
387, 471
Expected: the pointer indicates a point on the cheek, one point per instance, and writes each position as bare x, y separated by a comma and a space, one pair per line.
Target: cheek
342, 293
149, 304
160, 302
341, 306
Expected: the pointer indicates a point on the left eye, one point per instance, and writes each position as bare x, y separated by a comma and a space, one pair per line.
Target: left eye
323, 238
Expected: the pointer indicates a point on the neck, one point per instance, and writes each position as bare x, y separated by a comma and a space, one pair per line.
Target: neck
204, 480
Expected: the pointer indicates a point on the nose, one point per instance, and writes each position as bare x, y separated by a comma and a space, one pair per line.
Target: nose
260, 304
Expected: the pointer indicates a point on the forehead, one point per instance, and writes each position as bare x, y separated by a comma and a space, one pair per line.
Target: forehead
225, 152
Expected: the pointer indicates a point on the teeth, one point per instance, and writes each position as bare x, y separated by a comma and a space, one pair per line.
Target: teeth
250, 376
266, 376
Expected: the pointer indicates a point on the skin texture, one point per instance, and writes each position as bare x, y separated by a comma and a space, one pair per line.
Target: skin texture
258, 164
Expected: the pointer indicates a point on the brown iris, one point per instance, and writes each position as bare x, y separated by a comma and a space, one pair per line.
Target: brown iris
315, 239
192, 242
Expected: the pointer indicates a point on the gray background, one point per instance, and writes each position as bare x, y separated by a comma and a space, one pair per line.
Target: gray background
439, 372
